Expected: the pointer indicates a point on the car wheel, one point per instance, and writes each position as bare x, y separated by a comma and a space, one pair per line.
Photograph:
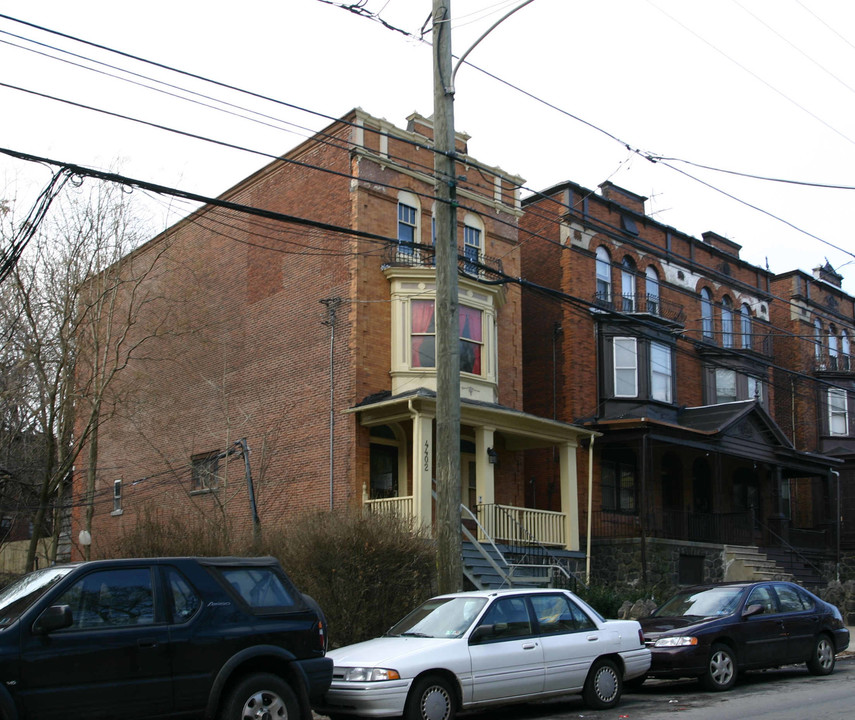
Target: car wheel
603, 685
261, 696
721, 669
431, 698
822, 659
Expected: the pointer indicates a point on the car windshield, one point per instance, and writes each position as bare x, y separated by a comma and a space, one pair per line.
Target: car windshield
440, 618
702, 603
17, 597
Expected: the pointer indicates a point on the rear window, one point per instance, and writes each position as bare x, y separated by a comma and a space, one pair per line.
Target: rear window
261, 588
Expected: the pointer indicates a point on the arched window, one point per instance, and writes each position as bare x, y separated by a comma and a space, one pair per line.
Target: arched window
745, 326
473, 243
817, 339
651, 289
832, 347
726, 322
604, 276
409, 222
706, 314
627, 284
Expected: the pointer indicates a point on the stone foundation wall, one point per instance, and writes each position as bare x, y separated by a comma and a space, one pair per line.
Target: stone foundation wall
620, 561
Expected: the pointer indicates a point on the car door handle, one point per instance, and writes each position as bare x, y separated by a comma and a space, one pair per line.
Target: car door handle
529, 646
593, 638
148, 643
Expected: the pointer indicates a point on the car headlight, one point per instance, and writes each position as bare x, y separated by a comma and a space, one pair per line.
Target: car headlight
676, 641
366, 674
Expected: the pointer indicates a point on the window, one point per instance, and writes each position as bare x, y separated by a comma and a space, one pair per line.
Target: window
259, 587
726, 322
785, 495
651, 281
618, 482
183, 600
423, 336
762, 595
406, 228
817, 339
470, 339
706, 314
117, 497
725, 385
471, 247
509, 617
660, 372
604, 275
626, 367
838, 412
745, 326
110, 599
755, 388
790, 599
206, 471
627, 285
832, 347
558, 614
844, 350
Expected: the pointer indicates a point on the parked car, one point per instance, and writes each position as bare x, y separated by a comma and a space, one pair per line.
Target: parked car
224, 638
713, 632
474, 649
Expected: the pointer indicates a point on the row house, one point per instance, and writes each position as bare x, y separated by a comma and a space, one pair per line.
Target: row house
667, 345
308, 345
814, 354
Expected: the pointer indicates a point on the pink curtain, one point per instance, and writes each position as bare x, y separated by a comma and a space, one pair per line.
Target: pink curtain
422, 322
470, 329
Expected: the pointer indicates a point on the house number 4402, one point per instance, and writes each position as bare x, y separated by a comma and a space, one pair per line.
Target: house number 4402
427, 456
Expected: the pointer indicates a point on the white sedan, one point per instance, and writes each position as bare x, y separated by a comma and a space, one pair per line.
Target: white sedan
475, 649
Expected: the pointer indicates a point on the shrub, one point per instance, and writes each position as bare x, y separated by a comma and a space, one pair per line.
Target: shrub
365, 571
607, 599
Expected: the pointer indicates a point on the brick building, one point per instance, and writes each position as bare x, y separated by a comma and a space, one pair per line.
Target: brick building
664, 344
313, 343
816, 318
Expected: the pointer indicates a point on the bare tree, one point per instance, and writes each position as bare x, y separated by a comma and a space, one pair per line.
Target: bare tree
78, 311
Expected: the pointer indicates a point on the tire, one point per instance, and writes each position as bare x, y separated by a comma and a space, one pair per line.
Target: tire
603, 686
721, 669
261, 695
821, 661
431, 698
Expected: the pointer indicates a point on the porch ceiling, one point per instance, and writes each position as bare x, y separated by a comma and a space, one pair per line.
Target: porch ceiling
519, 430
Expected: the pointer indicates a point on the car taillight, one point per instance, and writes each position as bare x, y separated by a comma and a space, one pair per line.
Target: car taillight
322, 636
641, 636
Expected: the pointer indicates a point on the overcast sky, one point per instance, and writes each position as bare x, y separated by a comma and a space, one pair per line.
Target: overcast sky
761, 87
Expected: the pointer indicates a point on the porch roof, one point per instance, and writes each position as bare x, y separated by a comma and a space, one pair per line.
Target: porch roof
742, 429
519, 430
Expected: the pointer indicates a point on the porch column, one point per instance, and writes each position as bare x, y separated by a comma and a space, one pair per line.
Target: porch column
569, 494
485, 485
422, 469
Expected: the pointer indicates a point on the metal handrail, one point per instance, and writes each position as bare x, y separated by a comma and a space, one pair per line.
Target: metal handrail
789, 547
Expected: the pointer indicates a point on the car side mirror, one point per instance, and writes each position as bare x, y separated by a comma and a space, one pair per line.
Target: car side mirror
480, 633
56, 617
755, 609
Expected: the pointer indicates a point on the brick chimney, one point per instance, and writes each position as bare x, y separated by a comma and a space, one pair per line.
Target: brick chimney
622, 197
722, 243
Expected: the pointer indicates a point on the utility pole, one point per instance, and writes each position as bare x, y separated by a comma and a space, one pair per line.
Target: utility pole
449, 544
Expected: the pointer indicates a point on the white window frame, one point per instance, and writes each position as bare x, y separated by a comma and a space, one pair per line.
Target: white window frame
627, 285
409, 218
838, 412
117, 497
726, 322
745, 328
661, 368
473, 243
706, 314
721, 373
630, 345
604, 275
651, 290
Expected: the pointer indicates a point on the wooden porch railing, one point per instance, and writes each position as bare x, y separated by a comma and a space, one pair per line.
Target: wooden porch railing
518, 526
400, 507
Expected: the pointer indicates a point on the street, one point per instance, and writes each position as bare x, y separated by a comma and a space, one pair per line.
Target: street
790, 693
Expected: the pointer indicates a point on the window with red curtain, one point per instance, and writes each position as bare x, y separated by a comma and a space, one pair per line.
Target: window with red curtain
470, 340
423, 334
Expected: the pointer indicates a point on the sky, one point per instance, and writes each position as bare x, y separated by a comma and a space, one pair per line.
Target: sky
579, 91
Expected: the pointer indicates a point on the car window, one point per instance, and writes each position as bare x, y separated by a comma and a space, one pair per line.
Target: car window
440, 617
509, 618
183, 600
558, 614
790, 599
762, 595
259, 587
21, 594
110, 599
808, 600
